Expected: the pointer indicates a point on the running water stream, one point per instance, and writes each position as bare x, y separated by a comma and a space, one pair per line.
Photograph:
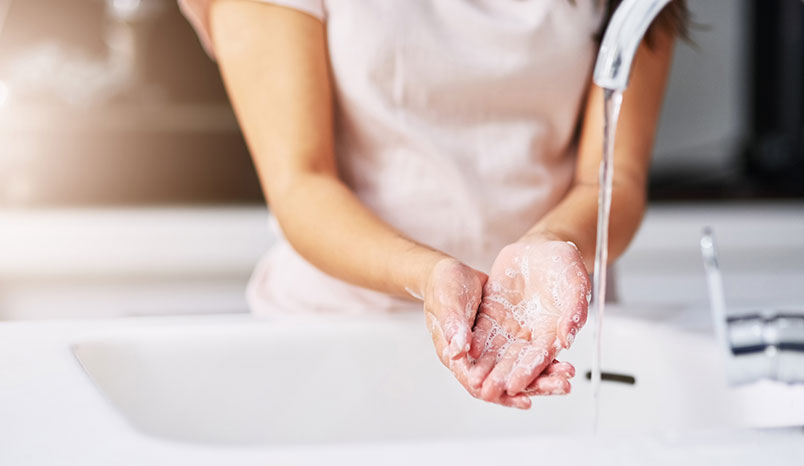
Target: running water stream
612, 101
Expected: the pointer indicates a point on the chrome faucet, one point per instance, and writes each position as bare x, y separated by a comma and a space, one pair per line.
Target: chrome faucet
628, 25
621, 40
766, 344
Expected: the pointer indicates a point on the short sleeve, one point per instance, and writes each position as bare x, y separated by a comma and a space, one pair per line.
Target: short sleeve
197, 13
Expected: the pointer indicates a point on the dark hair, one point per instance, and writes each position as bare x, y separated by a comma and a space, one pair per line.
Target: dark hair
675, 17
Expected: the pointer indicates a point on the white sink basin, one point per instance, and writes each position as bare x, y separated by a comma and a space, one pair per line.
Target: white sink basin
274, 383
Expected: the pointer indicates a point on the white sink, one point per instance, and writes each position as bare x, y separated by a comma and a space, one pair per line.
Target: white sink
270, 383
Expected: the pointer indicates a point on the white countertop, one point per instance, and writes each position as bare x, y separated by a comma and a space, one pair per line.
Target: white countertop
50, 413
111, 263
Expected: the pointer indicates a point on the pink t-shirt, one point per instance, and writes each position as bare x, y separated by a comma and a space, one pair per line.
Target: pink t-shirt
454, 123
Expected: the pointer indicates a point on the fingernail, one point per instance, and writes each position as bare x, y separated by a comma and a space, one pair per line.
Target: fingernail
559, 390
522, 403
561, 387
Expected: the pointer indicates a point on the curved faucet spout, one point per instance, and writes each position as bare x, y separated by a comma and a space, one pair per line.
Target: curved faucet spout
623, 35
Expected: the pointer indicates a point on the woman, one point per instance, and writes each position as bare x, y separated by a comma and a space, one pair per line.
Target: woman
405, 146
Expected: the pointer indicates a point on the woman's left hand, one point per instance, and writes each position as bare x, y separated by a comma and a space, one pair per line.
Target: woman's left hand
534, 303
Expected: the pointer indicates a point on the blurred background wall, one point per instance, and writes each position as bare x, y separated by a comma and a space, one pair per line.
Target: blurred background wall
706, 109
113, 102
126, 188
732, 120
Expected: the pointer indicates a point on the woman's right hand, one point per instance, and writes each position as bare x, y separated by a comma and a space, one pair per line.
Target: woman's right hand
452, 295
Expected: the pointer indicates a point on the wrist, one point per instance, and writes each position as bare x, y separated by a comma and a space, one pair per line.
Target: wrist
540, 235
415, 270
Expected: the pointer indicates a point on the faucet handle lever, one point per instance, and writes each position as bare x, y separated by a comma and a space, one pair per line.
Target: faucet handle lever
758, 345
714, 281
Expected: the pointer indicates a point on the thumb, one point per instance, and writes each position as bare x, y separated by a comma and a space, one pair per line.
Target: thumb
458, 335
458, 325
476, 297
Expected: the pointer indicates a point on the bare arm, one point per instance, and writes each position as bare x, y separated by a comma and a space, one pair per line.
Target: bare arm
274, 64
574, 219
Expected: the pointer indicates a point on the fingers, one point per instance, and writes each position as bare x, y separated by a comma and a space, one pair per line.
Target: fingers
458, 327
486, 328
460, 368
560, 368
481, 369
553, 381
495, 384
480, 336
489, 340
453, 295
459, 339
555, 384
519, 402
457, 333
531, 361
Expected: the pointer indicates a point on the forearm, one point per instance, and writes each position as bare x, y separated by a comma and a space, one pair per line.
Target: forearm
575, 219
274, 63
328, 225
